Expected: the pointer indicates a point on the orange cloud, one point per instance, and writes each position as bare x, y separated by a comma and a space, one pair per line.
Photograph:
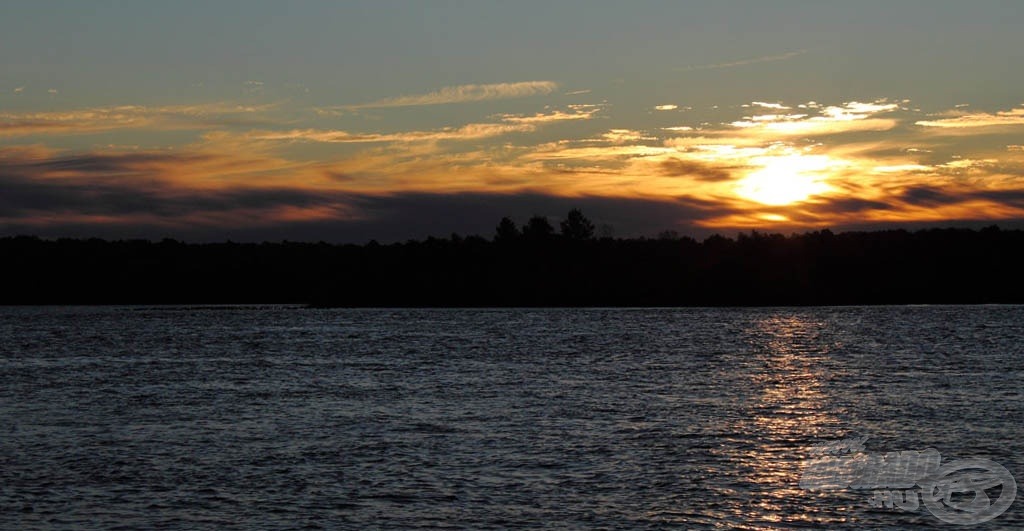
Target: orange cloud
1013, 117
466, 93
466, 132
580, 113
91, 120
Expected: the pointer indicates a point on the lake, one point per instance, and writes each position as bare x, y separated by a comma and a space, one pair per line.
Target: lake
254, 417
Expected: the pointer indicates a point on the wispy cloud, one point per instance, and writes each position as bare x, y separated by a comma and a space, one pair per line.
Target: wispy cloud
466, 132
510, 123
666, 107
580, 113
90, 120
591, 154
1001, 118
745, 62
466, 93
767, 105
622, 136
848, 117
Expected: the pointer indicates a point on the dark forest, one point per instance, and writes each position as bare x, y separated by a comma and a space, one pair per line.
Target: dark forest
538, 264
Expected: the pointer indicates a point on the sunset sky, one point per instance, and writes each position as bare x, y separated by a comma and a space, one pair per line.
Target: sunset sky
346, 121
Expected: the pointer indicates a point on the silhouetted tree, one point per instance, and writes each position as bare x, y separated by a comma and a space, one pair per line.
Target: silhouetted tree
506, 231
670, 235
576, 226
538, 228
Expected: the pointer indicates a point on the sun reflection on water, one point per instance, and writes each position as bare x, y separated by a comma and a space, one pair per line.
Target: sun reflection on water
788, 410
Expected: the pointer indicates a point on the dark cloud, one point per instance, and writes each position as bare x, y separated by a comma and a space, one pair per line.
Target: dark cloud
850, 204
114, 164
340, 176
929, 196
934, 196
117, 185
30, 198
1007, 197
700, 171
813, 214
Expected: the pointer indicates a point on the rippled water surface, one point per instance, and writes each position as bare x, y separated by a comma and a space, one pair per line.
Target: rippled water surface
279, 417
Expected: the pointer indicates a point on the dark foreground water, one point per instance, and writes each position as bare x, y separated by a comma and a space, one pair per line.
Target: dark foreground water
282, 417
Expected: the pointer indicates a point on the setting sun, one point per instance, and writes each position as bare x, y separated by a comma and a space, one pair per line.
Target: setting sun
785, 180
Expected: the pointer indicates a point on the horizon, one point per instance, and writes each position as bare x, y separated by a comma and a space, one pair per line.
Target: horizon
396, 121
974, 227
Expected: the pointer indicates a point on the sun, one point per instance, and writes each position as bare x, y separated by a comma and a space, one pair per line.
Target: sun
785, 180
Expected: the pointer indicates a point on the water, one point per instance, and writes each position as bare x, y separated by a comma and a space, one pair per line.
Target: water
280, 417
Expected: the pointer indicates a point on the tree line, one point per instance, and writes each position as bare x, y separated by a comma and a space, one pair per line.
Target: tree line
530, 265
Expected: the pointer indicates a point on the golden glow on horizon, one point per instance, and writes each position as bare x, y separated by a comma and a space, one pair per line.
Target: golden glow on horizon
816, 167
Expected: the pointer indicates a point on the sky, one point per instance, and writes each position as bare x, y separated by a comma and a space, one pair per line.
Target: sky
391, 120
